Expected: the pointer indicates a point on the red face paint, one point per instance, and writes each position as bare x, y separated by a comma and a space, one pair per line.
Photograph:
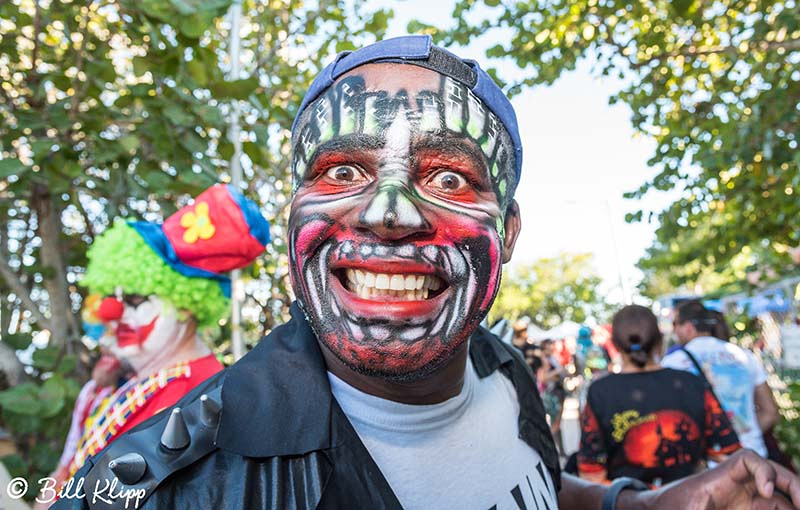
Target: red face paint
374, 220
134, 335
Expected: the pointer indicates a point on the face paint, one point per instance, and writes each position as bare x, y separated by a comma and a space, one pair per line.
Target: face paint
347, 108
145, 331
394, 245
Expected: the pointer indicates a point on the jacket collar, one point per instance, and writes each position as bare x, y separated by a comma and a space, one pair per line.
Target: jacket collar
486, 355
277, 401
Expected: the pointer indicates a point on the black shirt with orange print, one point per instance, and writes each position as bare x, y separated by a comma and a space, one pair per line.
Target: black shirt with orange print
656, 426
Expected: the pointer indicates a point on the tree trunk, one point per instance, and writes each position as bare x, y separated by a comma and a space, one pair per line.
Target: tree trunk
11, 368
63, 326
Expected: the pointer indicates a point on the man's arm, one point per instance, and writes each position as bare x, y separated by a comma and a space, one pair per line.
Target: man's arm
742, 482
580, 494
766, 408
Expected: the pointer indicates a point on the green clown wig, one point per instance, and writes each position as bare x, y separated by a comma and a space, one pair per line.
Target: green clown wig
120, 257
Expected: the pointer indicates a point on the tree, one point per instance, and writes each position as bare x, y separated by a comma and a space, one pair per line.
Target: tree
120, 107
716, 84
551, 291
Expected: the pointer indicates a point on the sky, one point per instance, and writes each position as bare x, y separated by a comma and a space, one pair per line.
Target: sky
580, 155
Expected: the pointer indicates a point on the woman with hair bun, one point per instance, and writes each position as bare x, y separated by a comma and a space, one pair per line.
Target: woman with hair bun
648, 422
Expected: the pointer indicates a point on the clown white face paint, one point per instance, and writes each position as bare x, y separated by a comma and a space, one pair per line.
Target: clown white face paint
402, 177
146, 331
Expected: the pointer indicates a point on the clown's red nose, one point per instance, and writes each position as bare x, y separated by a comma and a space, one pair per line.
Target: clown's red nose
110, 309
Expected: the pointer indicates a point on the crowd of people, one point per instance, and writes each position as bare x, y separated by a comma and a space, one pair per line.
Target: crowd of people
658, 413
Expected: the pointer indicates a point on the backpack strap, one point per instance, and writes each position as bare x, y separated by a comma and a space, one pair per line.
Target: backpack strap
706, 382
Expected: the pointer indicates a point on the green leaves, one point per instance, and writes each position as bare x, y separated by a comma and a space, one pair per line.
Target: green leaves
19, 341
550, 291
129, 142
45, 359
11, 166
197, 70
787, 430
716, 90
43, 401
380, 21
236, 89
194, 25
38, 416
51, 396
140, 66
21, 399
175, 113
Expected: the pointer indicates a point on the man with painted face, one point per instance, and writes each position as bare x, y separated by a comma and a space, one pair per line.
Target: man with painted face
383, 391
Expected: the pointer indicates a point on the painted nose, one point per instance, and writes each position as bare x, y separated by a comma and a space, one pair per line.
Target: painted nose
110, 309
393, 214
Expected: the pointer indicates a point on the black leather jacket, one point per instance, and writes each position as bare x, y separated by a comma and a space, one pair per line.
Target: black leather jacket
281, 440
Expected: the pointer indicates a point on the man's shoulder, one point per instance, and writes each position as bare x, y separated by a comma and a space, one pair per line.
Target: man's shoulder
676, 359
253, 409
718, 350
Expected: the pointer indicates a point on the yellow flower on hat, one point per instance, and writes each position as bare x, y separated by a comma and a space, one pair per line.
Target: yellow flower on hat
197, 224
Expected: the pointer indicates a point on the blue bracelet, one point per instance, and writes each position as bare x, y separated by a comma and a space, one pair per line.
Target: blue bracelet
619, 485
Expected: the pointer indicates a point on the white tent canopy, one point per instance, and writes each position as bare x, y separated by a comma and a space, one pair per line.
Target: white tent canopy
536, 333
563, 330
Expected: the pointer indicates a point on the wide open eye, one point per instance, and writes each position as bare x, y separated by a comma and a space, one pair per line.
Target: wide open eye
447, 182
345, 175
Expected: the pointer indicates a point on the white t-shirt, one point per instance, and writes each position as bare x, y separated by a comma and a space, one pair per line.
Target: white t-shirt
462, 453
734, 373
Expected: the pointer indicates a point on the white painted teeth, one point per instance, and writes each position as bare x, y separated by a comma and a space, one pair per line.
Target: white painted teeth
410, 287
397, 282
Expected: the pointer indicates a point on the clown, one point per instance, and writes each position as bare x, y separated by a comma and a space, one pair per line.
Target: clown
164, 284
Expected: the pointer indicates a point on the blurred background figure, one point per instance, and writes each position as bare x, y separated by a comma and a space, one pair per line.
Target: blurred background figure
647, 422
108, 375
163, 284
520, 336
582, 344
553, 393
738, 378
720, 327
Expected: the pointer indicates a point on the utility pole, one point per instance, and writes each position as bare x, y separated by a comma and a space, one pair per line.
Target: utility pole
237, 288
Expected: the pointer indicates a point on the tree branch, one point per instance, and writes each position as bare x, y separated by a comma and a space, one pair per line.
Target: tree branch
37, 21
82, 210
84, 31
694, 51
16, 285
609, 39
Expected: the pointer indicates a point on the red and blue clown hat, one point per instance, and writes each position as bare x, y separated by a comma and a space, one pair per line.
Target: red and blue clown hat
220, 231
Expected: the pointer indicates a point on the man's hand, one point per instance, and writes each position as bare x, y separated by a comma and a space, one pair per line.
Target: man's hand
743, 481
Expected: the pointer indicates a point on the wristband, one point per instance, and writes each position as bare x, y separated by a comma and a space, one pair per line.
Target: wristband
619, 485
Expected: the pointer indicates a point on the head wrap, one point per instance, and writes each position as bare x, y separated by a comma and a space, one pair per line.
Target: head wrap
419, 50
